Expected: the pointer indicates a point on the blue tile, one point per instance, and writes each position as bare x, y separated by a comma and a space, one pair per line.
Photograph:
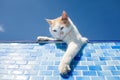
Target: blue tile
21, 62
108, 54
115, 47
115, 72
87, 63
36, 78
89, 51
37, 61
118, 67
81, 68
95, 68
61, 46
30, 58
45, 73
3, 53
108, 68
39, 67
59, 54
117, 54
83, 59
56, 73
105, 47
117, 43
105, 58
113, 78
52, 68
99, 62
51, 78
116, 58
31, 72
97, 55
57, 63
112, 62
47, 62
97, 78
92, 58
87, 55
82, 78
89, 73
78, 73
35, 54
104, 73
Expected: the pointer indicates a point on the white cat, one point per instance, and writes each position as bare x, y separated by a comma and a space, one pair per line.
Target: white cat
62, 28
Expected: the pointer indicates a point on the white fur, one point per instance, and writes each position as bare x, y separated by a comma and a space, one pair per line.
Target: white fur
74, 40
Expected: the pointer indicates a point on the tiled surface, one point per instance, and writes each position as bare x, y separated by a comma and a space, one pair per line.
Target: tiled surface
33, 61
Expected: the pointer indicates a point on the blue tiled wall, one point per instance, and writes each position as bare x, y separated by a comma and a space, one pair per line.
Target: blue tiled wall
33, 61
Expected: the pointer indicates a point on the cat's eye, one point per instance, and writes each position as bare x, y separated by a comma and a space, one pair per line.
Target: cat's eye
61, 28
54, 30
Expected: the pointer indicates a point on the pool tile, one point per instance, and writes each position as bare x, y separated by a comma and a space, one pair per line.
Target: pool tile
98, 78
115, 47
100, 63
36, 78
82, 78
115, 72
108, 68
81, 68
118, 67
34, 61
104, 73
113, 78
89, 73
97, 68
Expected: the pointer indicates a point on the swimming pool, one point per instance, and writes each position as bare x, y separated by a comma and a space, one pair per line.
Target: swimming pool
39, 61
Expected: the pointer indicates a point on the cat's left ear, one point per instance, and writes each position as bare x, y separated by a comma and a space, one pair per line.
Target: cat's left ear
64, 16
49, 21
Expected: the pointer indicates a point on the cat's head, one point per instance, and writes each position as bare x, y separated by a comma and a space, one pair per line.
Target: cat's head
60, 27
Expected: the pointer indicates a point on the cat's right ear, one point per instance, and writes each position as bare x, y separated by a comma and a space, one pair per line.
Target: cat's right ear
49, 21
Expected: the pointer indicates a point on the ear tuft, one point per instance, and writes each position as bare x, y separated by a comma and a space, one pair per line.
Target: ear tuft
49, 21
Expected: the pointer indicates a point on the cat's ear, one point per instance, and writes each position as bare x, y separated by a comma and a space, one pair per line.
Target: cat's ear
64, 16
49, 21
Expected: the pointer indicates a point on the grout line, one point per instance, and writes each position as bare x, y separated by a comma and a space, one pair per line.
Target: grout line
59, 41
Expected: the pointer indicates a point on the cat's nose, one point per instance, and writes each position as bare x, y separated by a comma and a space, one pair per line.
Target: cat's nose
61, 33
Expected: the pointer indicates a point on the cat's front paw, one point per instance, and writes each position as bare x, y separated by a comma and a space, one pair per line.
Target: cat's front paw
64, 70
40, 38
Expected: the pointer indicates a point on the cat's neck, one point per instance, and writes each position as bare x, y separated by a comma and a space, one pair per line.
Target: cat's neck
67, 34
73, 34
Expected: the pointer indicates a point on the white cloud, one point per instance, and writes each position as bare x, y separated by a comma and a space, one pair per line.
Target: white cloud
1, 28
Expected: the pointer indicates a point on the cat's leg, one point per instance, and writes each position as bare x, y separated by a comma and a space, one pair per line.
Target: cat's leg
43, 38
72, 50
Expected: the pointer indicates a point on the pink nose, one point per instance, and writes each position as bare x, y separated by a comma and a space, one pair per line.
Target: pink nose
61, 33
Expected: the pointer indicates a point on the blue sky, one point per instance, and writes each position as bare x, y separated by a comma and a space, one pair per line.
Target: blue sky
25, 19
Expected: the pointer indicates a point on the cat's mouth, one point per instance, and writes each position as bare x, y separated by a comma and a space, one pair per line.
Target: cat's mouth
61, 33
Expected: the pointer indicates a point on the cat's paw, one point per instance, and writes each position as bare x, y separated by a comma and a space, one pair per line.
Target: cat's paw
40, 38
64, 70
